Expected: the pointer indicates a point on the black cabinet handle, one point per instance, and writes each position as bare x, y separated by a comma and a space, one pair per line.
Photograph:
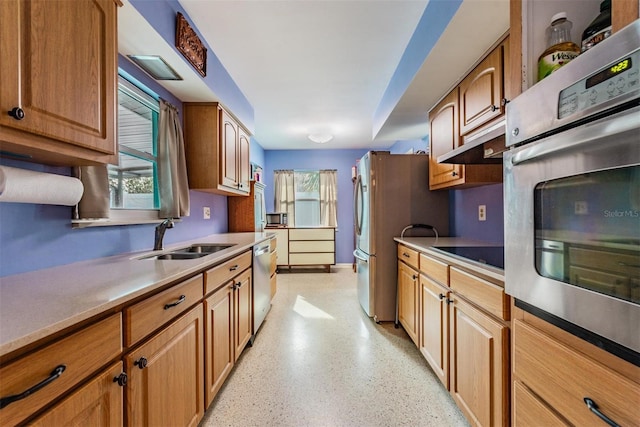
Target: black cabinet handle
121, 379
54, 375
173, 304
141, 363
593, 407
17, 113
404, 254
441, 296
234, 268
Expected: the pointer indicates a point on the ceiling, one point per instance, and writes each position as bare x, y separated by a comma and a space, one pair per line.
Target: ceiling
323, 66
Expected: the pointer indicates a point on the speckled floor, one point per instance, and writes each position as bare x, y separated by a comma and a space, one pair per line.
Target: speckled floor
318, 360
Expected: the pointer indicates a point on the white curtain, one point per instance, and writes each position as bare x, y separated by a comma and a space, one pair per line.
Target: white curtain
172, 165
328, 198
284, 194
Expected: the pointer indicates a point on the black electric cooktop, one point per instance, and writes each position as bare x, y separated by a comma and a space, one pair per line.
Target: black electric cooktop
490, 255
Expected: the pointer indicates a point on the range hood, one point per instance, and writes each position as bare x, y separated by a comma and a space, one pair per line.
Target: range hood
483, 147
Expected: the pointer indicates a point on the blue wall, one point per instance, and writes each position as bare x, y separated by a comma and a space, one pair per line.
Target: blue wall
342, 161
464, 203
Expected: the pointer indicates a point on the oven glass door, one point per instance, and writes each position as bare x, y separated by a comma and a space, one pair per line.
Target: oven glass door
587, 231
572, 226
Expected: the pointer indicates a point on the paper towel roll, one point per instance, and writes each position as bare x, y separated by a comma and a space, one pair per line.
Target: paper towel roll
25, 186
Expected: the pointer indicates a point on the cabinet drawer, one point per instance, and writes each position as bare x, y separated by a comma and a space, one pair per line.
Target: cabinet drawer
311, 259
226, 271
485, 294
311, 234
409, 256
562, 378
437, 270
146, 316
82, 353
311, 246
528, 410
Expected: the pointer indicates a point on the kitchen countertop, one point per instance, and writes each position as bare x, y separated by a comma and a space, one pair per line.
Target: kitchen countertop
37, 304
426, 244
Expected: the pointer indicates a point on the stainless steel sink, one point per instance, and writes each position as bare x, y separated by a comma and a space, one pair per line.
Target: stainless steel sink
178, 255
190, 252
206, 248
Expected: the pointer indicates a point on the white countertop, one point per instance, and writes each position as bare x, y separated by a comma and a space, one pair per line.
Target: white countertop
40, 303
426, 244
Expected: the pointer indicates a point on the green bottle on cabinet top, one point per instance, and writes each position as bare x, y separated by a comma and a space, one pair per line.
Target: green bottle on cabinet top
599, 29
560, 47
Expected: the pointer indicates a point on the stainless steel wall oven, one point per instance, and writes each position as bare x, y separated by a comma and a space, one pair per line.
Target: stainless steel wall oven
572, 196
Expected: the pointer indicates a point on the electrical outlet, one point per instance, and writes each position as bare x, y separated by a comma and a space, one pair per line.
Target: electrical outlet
581, 208
482, 212
206, 212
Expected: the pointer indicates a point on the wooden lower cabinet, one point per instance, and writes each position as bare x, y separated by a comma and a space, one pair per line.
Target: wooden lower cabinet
464, 336
529, 410
408, 300
98, 403
560, 371
434, 327
229, 322
478, 357
166, 375
243, 310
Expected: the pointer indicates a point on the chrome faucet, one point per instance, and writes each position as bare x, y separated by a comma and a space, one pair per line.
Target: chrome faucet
160, 229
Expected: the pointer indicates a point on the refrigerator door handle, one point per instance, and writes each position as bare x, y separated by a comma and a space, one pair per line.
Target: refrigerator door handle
357, 199
356, 254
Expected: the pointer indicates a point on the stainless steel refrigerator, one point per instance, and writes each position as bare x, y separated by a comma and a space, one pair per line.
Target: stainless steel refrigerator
391, 191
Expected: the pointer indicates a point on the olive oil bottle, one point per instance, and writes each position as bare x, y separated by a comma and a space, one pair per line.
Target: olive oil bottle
560, 48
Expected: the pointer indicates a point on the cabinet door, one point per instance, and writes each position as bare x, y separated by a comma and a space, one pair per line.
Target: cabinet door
59, 64
434, 327
229, 172
97, 403
408, 300
219, 347
166, 375
243, 311
244, 167
282, 245
444, 137
481, 93
478, 357
528, 410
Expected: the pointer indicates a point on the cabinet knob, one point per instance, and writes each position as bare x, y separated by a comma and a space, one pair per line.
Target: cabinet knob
454, 173
17, 113
494, 108
441, 296
504, 102
449, 301
415, 276
141, 363
121, 379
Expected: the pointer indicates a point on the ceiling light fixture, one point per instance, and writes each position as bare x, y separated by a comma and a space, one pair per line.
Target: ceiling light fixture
320, 138
155, 66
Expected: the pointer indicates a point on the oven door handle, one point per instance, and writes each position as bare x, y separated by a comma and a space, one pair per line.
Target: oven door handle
581, 136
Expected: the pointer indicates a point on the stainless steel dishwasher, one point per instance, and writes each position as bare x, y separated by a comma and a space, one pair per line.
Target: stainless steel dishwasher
261, 286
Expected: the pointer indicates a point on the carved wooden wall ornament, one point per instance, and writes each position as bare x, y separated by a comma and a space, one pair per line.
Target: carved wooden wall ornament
190, 45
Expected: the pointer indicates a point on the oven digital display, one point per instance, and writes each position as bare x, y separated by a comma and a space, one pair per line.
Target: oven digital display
618, 79
610, 72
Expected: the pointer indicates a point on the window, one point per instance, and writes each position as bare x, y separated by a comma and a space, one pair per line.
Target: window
307, 201
133, 183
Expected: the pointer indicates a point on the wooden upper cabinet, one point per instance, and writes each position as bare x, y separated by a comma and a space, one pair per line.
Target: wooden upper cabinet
217, 150
229, 145
444, 137
244, 169
481, 93
475, 102
59, 65
623, 12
